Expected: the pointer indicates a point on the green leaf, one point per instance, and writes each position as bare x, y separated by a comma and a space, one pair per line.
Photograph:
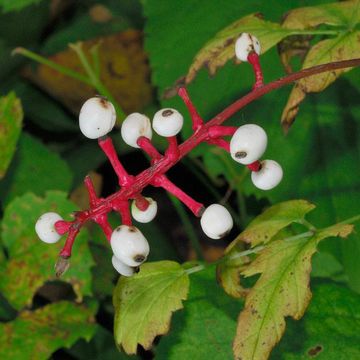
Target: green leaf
11, 116
282, 290
37, 334
220, 49
342, 47
206, 326
145, 302
329, 329
34, 169
31, 262
344, 14
12, 5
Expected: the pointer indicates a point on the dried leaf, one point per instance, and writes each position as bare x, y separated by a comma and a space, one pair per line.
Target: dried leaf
282, 290
344, 46
220, 49
124, 71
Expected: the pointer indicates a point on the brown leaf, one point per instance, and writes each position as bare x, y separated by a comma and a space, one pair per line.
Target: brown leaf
344, 46
124, 71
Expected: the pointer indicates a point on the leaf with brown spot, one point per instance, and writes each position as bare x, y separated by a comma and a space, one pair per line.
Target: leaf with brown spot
220, 49
282, 290
144, 303
11, 116
35, 335
342, 47
124, 71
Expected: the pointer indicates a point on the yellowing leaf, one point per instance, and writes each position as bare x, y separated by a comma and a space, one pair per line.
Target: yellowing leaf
345, 13
123, 69
282, 290
145, 302
344, 46
220, 49
11, 116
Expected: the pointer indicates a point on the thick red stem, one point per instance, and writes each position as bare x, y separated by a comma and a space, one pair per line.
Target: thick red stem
107, 147
104, 224
196, 207
196, 119
141, 203
66, 250
62, 226
147, 146
221, 143
255, 166
172, 152
93, 199
253, 59
122, 206
163, 165
220, 131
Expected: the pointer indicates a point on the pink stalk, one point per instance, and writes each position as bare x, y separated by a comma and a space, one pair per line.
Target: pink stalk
196, 207
104, 224
172, 151
195, 117
107, 147
141, 203
220, 131
154, 175
62, 226
253, 59
93, 199
255, 166
221, 143
147, 146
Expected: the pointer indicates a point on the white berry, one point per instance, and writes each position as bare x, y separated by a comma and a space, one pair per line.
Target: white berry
216, 221
134, 126
269, 175
122, 268
45, 227
146, 215
97, 117
129, 245
167, 122
246, 44
248, 144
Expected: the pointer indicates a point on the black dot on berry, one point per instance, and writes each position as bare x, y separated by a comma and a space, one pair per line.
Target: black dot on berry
132, 229
139, 258
240, 154
167, 113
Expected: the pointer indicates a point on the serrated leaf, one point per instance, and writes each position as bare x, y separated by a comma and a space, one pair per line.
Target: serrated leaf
37, 334
13, 5
34, 169
329, 329
124, 71
11, 116
206, 326
344, 46
220, 49
282, 290
144, 303
31, 262
345, 13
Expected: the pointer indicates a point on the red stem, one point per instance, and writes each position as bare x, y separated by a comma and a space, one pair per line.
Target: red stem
93, 199
253, 59
172, 151
122, 206
195, 117
66, 251
107, 147
164, 164
220, 143
141, 203
220, 131
196, 207
62, 226
255, 166
147, 146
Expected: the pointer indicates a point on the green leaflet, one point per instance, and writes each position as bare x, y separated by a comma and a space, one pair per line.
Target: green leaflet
145, 302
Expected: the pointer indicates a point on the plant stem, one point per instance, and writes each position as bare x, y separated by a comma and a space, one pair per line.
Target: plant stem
187, 225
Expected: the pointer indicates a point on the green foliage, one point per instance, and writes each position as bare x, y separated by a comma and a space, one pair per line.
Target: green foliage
12, 5
31, 262
11, 117
34, 169
144, 303
27, 338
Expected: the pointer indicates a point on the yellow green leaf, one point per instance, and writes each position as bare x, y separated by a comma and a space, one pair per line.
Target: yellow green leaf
145, 302
282, 290
220, 49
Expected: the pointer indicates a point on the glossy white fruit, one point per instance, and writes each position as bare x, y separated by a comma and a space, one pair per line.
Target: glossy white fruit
134, 126
97, 117
216, 221
129, 245
45, 227
147, 215
248, 144
122, 268
245, 44
268, 176
167, 122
